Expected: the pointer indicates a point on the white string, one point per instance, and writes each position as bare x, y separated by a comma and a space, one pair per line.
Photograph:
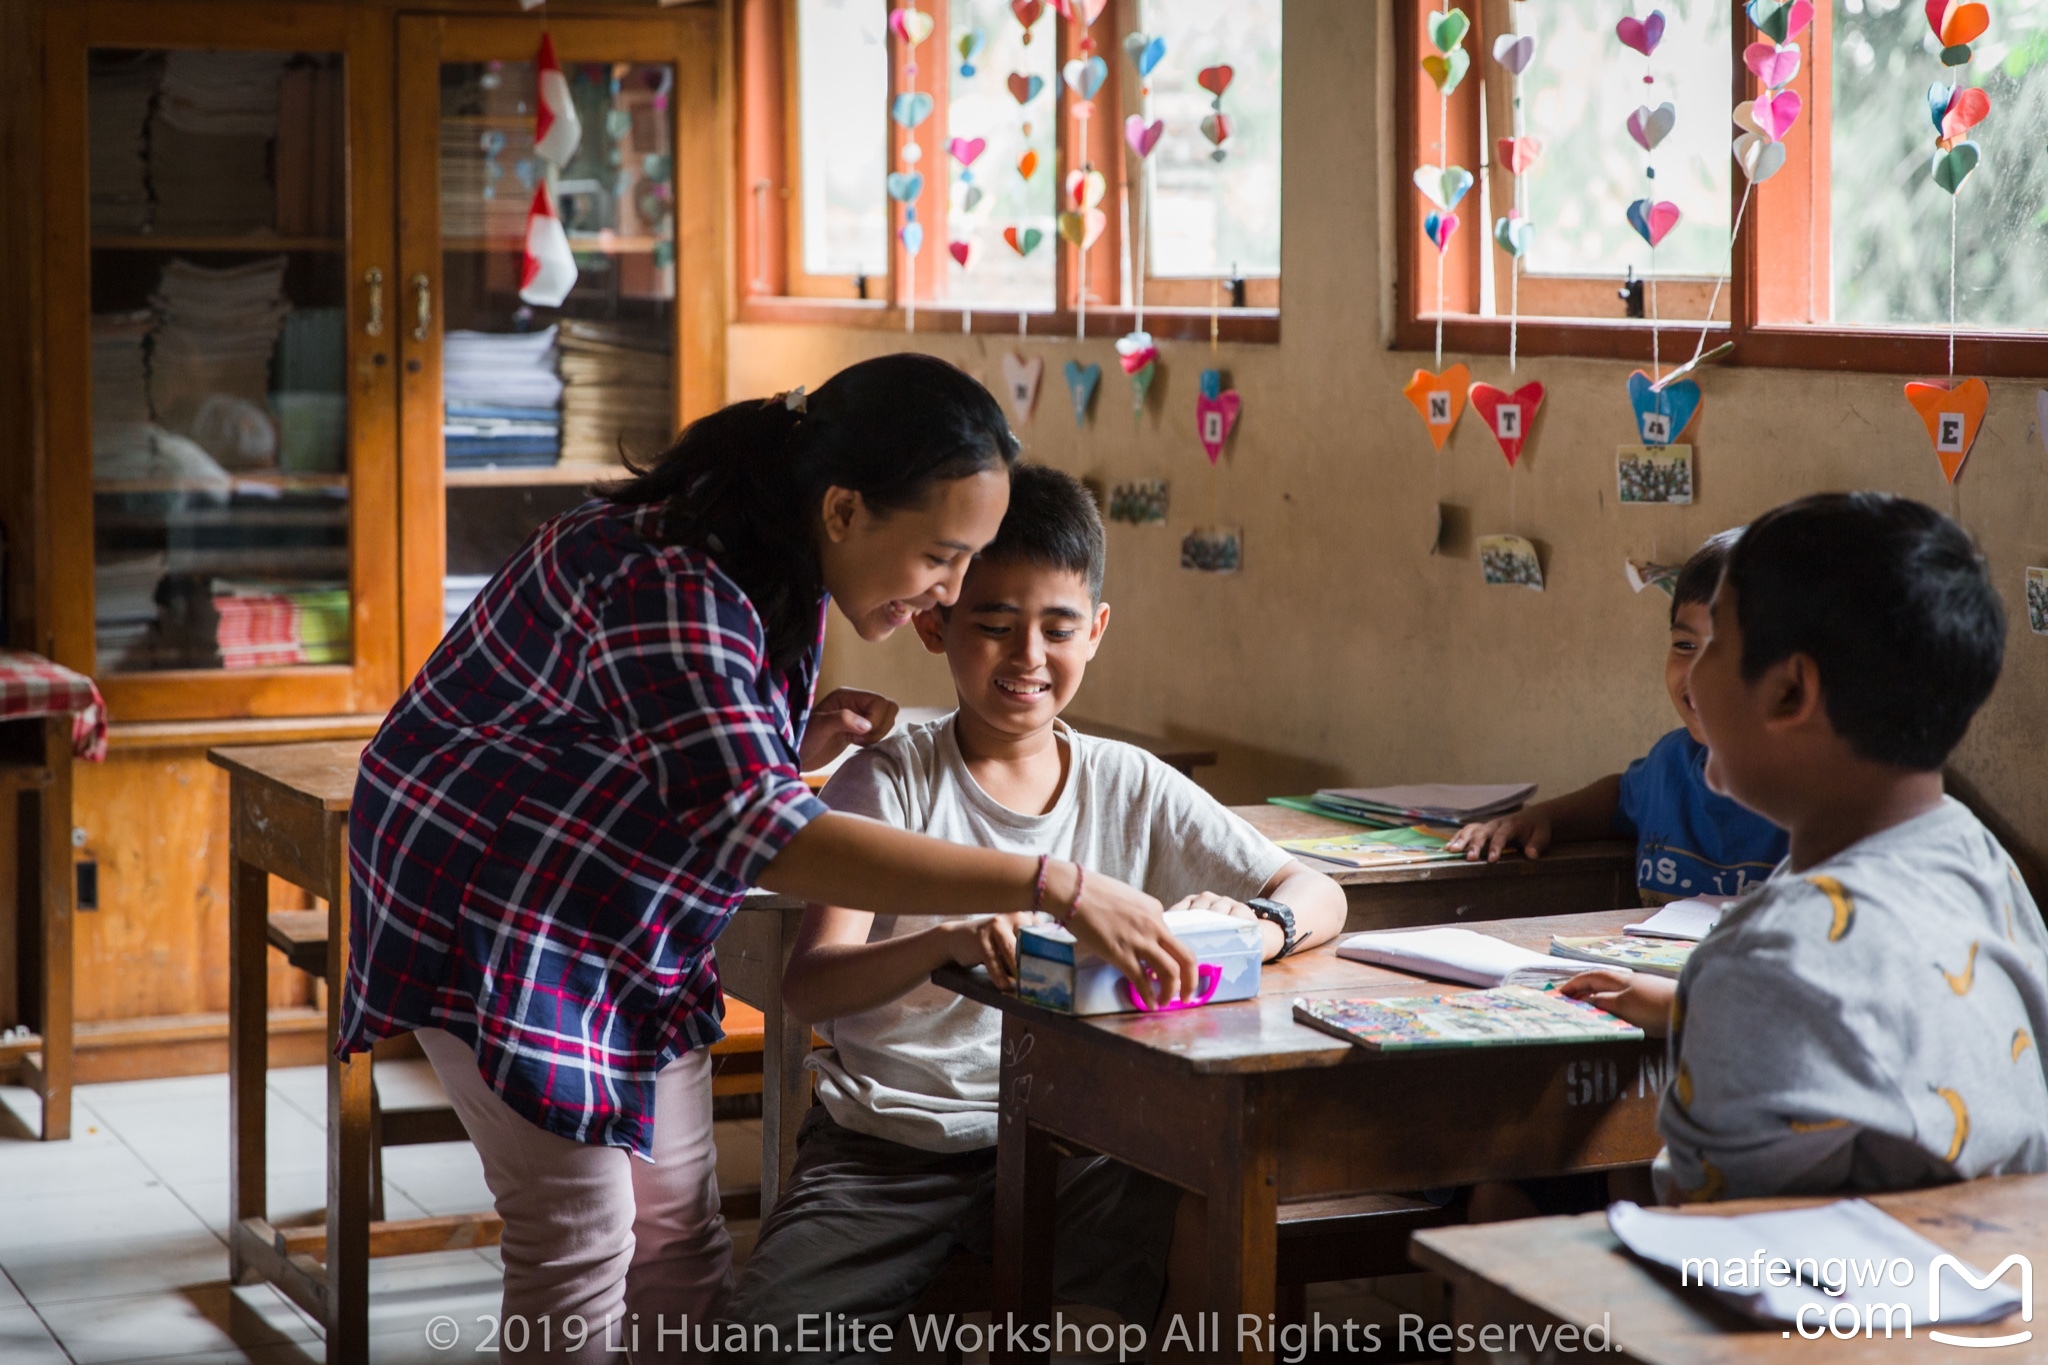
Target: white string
1514, 257
1714, 301
1443, 124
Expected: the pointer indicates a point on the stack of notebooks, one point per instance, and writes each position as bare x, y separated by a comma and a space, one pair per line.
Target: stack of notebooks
120, 379
276, 625
209, 363
124, 608
1660, 944
482, 195
1378, 847
1432, 803
617, 394
120, 87
210, 142
502, 395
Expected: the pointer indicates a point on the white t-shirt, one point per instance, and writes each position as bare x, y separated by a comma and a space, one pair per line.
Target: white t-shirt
921, 1070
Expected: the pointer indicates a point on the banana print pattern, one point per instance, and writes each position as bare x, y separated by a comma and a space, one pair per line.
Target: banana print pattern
1817, 1125
1962, 1113
1714, 1187
2021, 1041
1961, 984
1845, 907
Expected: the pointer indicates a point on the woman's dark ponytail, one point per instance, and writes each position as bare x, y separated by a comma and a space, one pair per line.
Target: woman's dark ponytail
746, 484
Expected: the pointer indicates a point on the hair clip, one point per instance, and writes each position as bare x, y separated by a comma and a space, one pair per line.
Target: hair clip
794, 399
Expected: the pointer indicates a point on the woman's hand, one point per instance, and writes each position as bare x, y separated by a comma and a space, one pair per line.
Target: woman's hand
1127, 929
989, 942
1639, 997
843, 716
1488, 839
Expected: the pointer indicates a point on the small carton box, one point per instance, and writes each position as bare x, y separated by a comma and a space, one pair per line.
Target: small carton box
1052, 973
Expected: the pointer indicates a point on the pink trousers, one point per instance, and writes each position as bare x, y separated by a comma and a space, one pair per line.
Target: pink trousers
595, 1234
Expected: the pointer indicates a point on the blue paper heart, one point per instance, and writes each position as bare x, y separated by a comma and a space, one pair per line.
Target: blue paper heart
1150, 57
913, 237
905, 186
1676, 404
1033, 85
1081, 382
910, 110
1937, 103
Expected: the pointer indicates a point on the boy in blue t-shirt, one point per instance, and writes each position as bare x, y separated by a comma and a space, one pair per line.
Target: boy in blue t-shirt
1690, 841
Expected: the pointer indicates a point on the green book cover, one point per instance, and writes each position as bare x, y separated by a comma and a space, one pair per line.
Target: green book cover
1378, 848
1308, 805
1506, 1016
1660, 956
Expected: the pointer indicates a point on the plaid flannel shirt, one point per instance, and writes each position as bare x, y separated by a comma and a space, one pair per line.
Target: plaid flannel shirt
560, 814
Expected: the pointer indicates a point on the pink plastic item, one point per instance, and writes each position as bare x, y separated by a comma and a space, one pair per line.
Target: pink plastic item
1208, 976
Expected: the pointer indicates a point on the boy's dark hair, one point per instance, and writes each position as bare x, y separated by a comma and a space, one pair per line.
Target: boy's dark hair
1702, 573
1052, 522
1892, 601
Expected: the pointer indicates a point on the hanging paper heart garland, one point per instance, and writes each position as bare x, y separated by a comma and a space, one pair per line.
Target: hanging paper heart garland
1508, 415
1952, 412
908, 110
556, 128
1443, 186
1215, 124
1653, 221
912, 25
1141, 137
1439, 227
1020, 382
1649, 127
1216, 411
1145, 51
548, 271
1513, 233
1023, 241
1662, 415
1440, 399
1027, 12
1081, 383
1140, 360
1642, 34
1780, 20
969, 47
1023, 88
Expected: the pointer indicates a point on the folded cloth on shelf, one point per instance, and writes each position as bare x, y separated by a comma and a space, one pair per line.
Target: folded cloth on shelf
209, 363
500, 369
119, 88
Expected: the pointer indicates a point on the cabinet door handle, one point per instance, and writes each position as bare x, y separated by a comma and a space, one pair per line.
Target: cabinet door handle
423, 307
374, 278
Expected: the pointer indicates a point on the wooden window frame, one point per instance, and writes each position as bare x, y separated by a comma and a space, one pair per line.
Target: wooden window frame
1762, 289
770, 287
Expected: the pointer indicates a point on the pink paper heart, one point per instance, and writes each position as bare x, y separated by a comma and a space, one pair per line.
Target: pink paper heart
960, 251
1141, 136
1773, 65
1440, 226
1801, 16
966, 149
1642, 34
1776, 112
1649, 127
1214, 417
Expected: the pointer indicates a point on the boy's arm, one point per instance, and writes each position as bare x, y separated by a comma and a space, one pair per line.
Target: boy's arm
1587, 813
1317, 903
834, 970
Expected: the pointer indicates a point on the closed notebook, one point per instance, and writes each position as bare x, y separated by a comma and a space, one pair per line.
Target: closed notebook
1460, 955
1377, 848
1507, 1016
1445, 802
1658, 956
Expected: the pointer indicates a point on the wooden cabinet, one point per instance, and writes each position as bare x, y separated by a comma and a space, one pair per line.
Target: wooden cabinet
293, 408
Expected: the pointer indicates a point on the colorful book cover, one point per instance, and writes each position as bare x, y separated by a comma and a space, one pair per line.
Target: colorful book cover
1506, 1016
1660, 956
1378, 848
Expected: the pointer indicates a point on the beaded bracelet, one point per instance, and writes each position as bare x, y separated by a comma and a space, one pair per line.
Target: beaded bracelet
1080, 880
1038, 895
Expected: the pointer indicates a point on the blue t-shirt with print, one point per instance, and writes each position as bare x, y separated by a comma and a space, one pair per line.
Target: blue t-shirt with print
1691, 841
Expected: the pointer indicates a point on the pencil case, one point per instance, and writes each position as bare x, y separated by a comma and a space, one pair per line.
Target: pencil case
1054, 972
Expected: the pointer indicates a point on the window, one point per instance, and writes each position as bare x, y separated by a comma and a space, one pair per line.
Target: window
1842, 258
985, 169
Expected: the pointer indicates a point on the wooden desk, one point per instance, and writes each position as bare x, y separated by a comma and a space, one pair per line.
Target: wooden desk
1182, 758
1569, 879
1250, 1109
1572, 1270
35, 951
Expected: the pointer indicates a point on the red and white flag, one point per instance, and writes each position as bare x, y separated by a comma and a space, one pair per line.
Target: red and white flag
556, 129
550, 269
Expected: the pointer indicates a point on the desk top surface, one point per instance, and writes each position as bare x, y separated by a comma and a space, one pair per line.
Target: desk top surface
1261, 1034
1281, 822
1574, 1269
322, 772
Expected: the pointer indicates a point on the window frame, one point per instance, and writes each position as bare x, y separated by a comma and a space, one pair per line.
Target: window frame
1791, 205
771, 288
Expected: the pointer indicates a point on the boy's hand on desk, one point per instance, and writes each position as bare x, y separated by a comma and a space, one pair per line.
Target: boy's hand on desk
1640, 998
843, 716
1488, 839
990, 942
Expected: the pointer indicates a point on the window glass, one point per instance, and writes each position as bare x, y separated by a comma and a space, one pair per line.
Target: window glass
842, 92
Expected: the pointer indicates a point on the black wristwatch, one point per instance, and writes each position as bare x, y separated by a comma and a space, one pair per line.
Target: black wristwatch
1279, 914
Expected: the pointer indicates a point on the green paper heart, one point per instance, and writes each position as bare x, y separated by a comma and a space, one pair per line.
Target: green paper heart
1447, 30
1513, 234
1959, 55
1953, 167
1773, 18
1447, 70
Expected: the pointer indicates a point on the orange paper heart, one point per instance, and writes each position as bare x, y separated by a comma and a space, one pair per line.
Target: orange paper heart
1440, 398
1964, 24
1953, 412
1027, 164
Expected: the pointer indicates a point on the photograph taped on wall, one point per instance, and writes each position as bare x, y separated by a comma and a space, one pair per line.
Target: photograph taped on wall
2037, 600
1141, 503
1644, 573
1654, 474
1213, 549
1511, 562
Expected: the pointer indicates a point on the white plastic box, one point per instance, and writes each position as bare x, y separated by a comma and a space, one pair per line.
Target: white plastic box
1226, 949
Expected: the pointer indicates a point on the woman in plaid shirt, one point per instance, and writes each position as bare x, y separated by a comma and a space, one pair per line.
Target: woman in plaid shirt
603, 755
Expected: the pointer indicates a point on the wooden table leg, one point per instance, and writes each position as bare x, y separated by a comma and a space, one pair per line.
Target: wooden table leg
53, 805
1243, 1220
348, 1148
248, 1042
785, 1084
1027, 1191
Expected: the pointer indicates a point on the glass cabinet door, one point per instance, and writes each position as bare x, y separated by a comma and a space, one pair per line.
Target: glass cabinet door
520, 397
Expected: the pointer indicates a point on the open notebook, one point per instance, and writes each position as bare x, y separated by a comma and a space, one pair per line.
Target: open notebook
1460, 955
1693, 918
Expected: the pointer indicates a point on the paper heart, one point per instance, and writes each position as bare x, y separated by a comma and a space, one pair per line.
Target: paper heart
912, 235
1440, 399
1651, 126
1518, 154
1780, 21
1952, 412
1970, 107
1140, 136
1653, 221
1027, 12
1775, 66
1776, 112
1759, 157
1085, 13
1443, 186
1957, 24
1023, 241
1020, 381
1662, 417
1023, 88
969, 47
1953, 167
1085, 75
1081, 383
1134, 350
1513, 235
960, 252
1144, 51
1447, 71
966, 149
1447, 29
913, 26
1514, 53
1216, 126
1508, 415
1216, 410
1215, 79
905, 186
1082, 229
1642, 34
1938, 97
1745, 117
1085, 188
909, 110
1440, 227
971, 200
1027, 164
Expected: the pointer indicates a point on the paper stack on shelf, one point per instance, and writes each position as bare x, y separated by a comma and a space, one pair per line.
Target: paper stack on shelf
124, 609
1436, 803
617, 393
209, 366
501, 392
119, 90
120, 377
276, 625
210, 142
482, 195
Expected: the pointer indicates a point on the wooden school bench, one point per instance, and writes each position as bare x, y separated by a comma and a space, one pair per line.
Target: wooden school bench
1551, 1271
1267, 1118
